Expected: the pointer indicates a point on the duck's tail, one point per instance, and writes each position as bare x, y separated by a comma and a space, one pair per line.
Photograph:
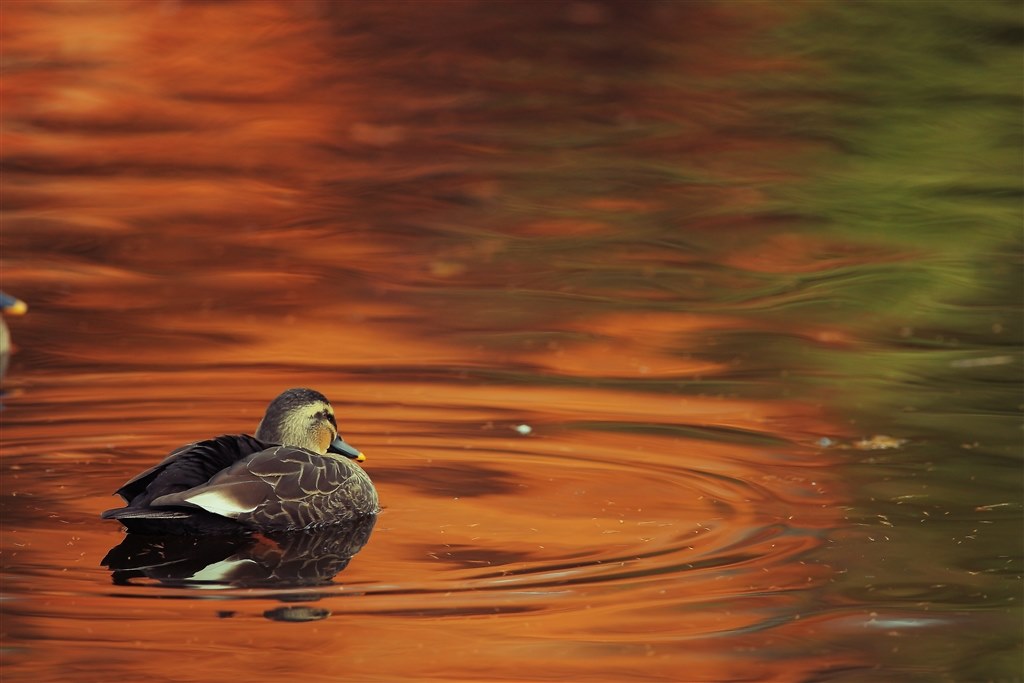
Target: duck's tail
172, 521
122, 514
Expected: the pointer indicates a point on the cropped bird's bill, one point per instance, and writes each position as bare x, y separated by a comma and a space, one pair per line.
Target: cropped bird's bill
340, 447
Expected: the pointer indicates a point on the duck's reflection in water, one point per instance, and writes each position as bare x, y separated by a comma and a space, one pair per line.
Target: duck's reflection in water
284, 560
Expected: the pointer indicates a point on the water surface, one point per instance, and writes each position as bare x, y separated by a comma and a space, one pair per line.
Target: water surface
682, 338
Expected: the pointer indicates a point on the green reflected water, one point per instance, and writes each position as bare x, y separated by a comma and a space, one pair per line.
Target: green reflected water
921, 105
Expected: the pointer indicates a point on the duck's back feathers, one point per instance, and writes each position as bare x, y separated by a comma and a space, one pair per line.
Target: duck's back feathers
282, 487
189, 466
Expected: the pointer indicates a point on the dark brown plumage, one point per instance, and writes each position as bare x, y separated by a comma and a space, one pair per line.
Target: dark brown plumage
298, 474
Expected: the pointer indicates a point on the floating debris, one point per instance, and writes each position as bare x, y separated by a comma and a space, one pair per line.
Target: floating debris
524, 429
878, 442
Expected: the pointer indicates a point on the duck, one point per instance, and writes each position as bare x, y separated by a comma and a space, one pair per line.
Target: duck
9, 305
296, 472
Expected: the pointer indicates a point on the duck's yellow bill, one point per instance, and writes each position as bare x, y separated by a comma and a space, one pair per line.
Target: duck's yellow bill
16, 307
348, 450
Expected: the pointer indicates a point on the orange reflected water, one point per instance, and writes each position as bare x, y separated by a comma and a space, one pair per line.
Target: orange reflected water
576, 551
452, 220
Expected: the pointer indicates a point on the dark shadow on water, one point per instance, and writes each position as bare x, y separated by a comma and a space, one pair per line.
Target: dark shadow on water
281, 560
444, 481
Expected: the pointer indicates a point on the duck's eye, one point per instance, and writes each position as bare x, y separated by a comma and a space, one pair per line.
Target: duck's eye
324, 416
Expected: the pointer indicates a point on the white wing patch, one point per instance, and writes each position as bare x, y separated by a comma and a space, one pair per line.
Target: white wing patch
220, 502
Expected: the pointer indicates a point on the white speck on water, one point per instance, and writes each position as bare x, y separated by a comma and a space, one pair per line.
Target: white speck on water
523, 429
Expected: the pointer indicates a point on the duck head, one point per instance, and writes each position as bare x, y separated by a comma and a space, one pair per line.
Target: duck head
304, 418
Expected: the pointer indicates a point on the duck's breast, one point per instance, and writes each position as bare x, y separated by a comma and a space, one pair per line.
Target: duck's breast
310, 490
